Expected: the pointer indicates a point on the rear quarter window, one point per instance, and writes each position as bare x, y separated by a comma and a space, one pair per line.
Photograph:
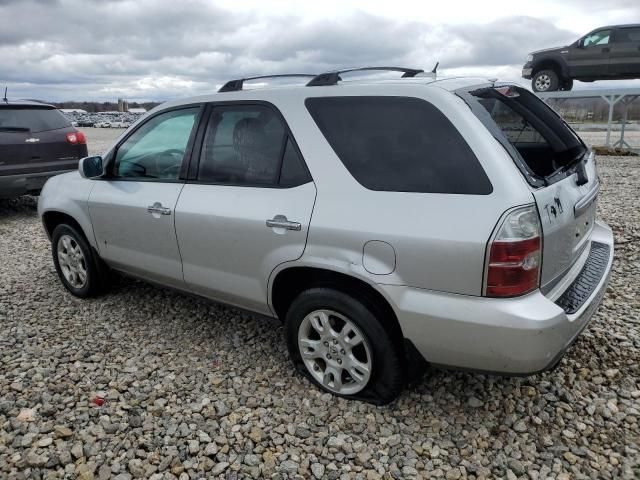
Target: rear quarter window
399, 144
35, 119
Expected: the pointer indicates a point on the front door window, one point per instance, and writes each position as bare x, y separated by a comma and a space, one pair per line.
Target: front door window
155, 151
597, 38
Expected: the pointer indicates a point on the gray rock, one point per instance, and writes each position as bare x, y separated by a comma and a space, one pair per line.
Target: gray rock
317, 469
35, 460
136, 468
289, 466
219, 468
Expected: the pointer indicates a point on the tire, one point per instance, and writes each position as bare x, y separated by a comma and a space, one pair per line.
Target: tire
377, 349
567, 85
545, 81
80, 270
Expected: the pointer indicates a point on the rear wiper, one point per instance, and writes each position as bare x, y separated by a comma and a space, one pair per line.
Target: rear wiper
578, 159
14, 129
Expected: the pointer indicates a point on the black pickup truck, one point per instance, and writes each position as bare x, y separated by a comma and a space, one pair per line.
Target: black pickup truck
36, 142
606, 53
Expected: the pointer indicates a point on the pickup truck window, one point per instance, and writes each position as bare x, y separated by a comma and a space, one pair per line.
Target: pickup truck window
600, 37
627, 35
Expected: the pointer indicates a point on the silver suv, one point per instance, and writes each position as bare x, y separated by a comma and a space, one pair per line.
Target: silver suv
385, 222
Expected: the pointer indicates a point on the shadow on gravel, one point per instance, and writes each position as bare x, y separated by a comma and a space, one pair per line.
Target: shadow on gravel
12, 207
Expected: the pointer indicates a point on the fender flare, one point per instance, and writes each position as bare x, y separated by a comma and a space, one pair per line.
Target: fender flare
557, 63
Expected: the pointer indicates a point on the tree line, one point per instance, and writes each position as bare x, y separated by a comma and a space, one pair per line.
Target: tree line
93, 107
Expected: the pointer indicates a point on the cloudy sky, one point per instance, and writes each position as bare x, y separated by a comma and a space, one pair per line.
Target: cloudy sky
152, 49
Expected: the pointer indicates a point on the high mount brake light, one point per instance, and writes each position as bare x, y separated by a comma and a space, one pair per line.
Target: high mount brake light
507, 92
515, 255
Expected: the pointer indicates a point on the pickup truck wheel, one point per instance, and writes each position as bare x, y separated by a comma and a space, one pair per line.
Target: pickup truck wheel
567, 84
340, 344
545, 81
80, 271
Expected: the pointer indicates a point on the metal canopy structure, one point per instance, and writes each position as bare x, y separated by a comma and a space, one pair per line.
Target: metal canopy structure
610, 95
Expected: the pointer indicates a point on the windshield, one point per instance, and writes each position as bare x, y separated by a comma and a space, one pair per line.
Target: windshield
31, 119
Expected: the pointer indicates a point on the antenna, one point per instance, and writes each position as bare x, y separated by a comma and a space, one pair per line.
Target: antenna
5, 94
435, 68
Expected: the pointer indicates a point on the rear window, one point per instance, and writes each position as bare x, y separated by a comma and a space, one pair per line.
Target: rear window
34, 119
399, 144
533, 133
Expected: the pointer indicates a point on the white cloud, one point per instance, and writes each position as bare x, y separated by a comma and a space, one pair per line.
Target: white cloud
147, 49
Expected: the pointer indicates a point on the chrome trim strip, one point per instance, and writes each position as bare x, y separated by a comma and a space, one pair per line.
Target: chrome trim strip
583, 204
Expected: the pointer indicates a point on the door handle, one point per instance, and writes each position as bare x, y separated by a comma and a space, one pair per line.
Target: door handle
605, 50
158, 208
280, 221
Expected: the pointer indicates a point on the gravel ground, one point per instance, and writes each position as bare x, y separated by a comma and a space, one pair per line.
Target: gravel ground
196, 390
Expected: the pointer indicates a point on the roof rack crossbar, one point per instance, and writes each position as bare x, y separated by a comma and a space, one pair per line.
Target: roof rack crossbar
236, 85
332, 78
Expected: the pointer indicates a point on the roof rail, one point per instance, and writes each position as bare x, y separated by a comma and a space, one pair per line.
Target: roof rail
332, 78
236, 85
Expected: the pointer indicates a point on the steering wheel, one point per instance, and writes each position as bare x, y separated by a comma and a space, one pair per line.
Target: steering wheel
175, 159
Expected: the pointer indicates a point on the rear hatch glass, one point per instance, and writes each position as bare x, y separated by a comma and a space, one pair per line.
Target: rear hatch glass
555, 162
31, 119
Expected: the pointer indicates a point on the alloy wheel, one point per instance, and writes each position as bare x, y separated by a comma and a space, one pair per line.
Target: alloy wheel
335, 351
72, 261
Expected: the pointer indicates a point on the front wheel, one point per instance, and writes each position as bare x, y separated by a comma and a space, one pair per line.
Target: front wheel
79, 270
342, 346
545, 81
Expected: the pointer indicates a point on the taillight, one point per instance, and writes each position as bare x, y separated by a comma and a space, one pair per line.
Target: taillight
76, 138
515, 255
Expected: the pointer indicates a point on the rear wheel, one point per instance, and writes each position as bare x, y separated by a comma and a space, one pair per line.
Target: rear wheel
545, 81
342, 346
567, 84
79, 269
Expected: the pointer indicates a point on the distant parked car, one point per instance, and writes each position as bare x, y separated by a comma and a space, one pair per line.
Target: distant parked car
385, 223
36, 142
607, 53
102, 125
85, 123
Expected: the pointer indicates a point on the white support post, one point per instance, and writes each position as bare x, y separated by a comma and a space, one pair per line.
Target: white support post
611, 100
622, 143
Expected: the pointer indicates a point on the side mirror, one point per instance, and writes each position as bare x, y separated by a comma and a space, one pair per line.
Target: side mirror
91, 167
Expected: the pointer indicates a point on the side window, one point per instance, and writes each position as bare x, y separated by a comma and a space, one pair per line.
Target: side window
293, 171
627, 35
249, 145
399, 144
155, 151
597, 38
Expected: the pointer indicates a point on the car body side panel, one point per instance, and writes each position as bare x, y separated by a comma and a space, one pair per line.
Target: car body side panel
589, 62
347, 215
69, 194
227, 249
130, 237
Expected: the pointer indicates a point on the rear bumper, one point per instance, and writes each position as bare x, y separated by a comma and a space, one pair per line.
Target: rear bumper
16, 185
517, 336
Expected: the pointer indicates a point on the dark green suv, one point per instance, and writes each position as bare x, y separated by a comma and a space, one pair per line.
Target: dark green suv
606, 53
